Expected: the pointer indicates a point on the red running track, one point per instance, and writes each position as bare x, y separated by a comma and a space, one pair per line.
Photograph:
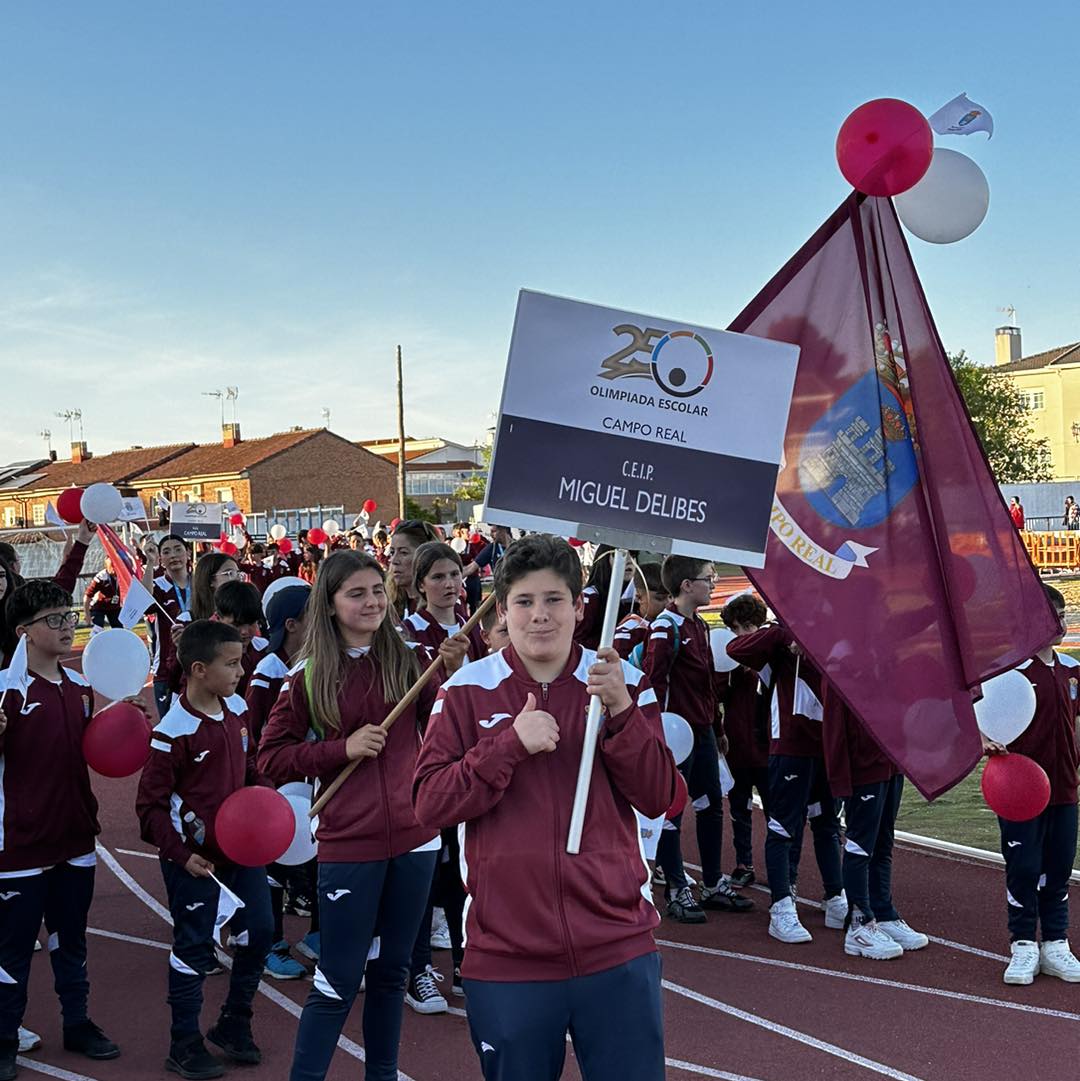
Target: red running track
738, 1004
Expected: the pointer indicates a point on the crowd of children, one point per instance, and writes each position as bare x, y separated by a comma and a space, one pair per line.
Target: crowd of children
463, 803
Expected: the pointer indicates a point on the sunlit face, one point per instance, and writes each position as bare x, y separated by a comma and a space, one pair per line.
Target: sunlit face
222, 675
360, 604
701, 585
1064, 625
229, 571
174, 556
400, 553
540, 616
653, 603
52, 631
441, 586
496, 637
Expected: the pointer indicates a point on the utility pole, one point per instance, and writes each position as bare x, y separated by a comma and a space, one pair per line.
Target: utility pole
401, 438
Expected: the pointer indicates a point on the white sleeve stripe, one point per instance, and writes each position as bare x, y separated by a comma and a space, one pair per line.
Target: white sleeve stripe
437, 708
260, 683
658, 634
158, 745
647, 697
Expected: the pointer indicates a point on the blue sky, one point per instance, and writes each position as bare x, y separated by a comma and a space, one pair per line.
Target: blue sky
273, 195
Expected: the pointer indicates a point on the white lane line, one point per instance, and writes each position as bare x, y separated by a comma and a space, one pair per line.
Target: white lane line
275, 996
791, 1033
136, 852
933, 938
102, 933
896, 985
51, 1071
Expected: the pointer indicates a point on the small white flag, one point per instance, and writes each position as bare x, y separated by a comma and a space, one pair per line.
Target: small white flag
962, 116
17, 676
52, 518
131, 509
650, 829
137, 530
162, 502
227, 904
136, 602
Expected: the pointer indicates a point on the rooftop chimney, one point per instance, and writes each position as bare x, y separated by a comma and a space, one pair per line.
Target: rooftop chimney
79, 453
1006, 345
230, 434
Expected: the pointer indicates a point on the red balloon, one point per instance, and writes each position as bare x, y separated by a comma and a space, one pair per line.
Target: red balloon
394, 524
575, 543
284, 546
317, 536
682, 797
116, 742
370, 506
884, 147
254, 826
69, 505
1015, 787
236, 519
228, 548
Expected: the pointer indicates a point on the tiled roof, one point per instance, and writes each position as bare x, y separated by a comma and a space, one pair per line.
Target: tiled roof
1063, 354
215, 459
116, 468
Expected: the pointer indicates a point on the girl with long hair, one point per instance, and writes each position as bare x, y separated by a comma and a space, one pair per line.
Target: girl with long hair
406, 539
437, 584
375, 861
594, 596
212, 571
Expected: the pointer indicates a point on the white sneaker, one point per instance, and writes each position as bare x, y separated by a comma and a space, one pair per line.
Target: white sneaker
836, 911
784, 923
28, 1041
1024, 966
1056, 959
908, 937
424, 995
869, 940
440, 930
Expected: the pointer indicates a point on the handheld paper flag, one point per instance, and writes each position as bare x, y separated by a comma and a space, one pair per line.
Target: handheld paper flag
962, 116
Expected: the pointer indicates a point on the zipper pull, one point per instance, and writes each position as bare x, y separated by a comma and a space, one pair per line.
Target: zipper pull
543, 691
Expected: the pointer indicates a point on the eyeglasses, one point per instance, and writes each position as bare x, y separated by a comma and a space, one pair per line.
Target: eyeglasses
709, 578
227, 575
55, 620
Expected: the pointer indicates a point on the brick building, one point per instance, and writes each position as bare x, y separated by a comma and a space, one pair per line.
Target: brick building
434, 468
299, 468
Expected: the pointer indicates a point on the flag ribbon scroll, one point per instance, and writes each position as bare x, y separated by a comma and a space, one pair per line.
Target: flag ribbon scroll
891, 557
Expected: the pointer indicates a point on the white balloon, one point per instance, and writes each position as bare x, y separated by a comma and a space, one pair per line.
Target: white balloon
303, 846
331, 528
277, 532
238, 539
281, 583
116, 663
950, 201
101, 503
718, 640
1006, 708
679, 736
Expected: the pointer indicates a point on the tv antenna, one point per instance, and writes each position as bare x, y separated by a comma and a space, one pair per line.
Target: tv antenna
220, 395
1010, 311
46, 434
231, 394
326, 416
73, 417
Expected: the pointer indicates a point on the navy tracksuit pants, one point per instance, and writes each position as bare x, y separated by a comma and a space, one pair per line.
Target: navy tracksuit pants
615, 1019
193, 905
1038, 862
702, 773
870, 814
799, 787
741, 806
359, 902
61, 897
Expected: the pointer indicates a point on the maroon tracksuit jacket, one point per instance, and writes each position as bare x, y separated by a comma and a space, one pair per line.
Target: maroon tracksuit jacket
48, 813
371, 816
1050, 739
740, 692
263, 688
852, 756
535, 912
422, 628
682, 677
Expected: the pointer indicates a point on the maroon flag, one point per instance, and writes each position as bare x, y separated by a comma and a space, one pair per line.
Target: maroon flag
891, 557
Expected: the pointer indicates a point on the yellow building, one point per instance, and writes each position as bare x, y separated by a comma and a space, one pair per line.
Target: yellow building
1050, 384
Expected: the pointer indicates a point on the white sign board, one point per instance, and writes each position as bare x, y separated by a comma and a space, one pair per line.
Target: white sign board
132, 509
639, 431
195, 521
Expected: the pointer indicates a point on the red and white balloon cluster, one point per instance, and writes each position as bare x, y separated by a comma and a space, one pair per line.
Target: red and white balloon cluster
886, 148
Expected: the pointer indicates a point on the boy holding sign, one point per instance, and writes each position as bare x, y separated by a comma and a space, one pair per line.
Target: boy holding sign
554, 942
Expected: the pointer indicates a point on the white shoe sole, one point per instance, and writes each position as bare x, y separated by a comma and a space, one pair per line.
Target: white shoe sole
873, 955
426, 1007
1020, 979
791, 940
26, 1045
1067, 977
282, 976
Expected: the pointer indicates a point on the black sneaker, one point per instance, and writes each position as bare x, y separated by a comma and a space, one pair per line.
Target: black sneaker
190, 1059
458, 987
233, 1036
87, 1039
683, 908
742, 877
723, 897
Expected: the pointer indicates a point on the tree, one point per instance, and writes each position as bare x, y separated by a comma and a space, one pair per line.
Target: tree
1003, 423
475, 488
